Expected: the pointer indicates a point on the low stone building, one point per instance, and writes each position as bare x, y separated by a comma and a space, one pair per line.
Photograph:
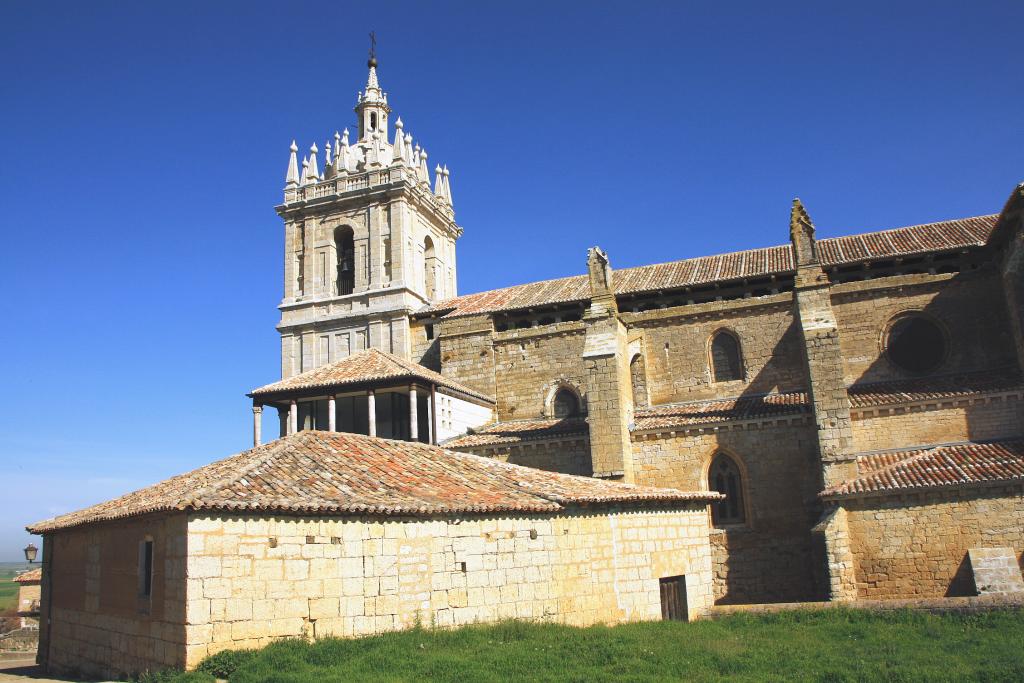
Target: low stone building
28, 596
326, 533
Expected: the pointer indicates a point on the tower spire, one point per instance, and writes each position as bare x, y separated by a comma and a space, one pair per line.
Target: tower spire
372, 106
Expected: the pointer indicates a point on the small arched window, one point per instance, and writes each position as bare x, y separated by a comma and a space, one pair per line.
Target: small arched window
565, 404
345, 248
915, 344
429, 268
726, 360
724, 477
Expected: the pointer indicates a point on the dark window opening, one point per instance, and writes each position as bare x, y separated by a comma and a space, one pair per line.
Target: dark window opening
725, 478
565, 404
146, 568
916, 344
726, 363
345, 247
430, 331
673, 598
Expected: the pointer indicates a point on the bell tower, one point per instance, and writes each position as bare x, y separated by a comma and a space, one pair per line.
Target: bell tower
368, 240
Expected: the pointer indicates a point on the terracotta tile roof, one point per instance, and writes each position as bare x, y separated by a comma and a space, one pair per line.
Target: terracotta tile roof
517, 431
363, 367
335, 473
720, 410
947, 466
31, 576
932, 388
917, 239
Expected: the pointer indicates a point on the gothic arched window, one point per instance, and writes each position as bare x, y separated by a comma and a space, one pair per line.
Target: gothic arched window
726, 360
345, 248
724, 477
429, 268
565, 404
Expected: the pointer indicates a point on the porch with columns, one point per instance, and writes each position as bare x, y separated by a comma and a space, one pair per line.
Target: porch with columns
406, 412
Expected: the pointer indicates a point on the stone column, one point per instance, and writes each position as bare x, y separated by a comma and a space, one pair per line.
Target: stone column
332, 416
257, 424
371, 412
414, 432
430, 417
293, 417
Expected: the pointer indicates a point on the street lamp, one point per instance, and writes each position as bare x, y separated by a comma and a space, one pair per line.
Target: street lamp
30, 553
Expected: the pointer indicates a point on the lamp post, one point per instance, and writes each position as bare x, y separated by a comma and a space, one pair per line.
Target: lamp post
30, 553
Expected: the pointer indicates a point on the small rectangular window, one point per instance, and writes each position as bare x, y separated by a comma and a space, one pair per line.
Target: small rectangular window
430, 331
146, 568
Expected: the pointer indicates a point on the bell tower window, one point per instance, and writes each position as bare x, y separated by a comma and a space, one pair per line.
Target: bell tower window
345, 248
373, 121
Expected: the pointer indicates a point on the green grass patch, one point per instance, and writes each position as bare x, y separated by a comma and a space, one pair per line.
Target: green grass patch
823, 645
8, 595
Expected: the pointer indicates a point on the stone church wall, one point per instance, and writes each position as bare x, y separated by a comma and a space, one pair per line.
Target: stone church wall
565, 456
253, 580
530, 363
970, 306
769, 558
467, 352
676, 343
99, 624
900, 427
916, 546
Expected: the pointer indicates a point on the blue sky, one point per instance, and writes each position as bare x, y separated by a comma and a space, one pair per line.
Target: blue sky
145, 145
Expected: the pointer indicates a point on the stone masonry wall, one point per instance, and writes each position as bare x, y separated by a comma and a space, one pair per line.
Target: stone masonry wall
530, 363
467, 352
916, 546
253, 580
677, 357
99, 624
970, 306
768, 558
568, 456
897, 427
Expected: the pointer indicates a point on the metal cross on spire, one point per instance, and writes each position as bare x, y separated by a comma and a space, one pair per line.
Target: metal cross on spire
373, 48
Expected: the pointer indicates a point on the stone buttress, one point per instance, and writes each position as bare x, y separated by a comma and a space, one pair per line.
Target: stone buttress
606, 367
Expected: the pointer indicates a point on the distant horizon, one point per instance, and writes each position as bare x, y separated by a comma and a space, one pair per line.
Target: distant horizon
145, 257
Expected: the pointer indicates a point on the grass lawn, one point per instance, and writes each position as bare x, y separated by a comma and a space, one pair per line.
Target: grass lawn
826, 645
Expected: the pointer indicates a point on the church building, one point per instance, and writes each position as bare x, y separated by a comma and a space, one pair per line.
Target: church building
849, 396
827, 419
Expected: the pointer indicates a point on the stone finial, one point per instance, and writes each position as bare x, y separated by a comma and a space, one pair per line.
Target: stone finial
292, 178
416, 156
447, 185
599, 270
305, 170
801, 234
438, 181
424, 169
398, 152
328, 161
312, 172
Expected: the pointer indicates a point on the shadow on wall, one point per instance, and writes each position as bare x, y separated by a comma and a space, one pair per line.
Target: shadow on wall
967, 317
963, 328
963, 580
